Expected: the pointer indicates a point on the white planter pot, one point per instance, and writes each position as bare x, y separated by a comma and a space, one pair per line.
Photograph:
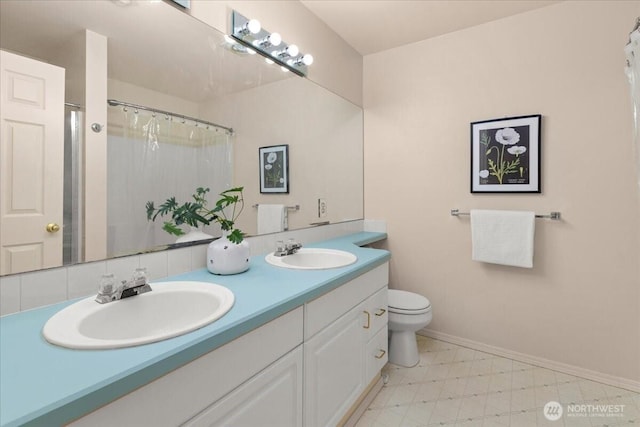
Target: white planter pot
193, 235
225, 257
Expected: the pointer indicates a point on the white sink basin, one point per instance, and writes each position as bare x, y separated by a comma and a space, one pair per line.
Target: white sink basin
313, 259
169, 310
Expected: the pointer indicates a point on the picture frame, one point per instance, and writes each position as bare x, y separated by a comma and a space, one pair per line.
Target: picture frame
274, 169
505, 155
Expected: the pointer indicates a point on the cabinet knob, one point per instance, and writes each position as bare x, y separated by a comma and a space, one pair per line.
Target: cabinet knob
368, 325
380, 354
53, 227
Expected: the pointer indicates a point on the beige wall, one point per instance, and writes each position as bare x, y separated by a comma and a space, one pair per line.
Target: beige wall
337, 66
580, 304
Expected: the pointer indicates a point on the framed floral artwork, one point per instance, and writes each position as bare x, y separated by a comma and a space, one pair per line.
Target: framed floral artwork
505, 155
274, 169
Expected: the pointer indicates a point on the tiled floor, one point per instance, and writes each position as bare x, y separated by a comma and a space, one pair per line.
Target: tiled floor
458, 386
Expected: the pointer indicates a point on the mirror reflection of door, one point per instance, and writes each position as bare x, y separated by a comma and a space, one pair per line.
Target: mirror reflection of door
31, 163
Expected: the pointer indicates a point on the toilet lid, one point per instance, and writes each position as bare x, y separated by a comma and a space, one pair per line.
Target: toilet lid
407, 301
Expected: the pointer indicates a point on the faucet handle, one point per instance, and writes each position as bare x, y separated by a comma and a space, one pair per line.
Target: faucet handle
139, 276
107, 284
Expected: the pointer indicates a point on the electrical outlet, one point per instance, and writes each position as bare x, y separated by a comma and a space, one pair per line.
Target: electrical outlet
322, 208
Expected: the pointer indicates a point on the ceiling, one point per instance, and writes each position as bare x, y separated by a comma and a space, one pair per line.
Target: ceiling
371, 26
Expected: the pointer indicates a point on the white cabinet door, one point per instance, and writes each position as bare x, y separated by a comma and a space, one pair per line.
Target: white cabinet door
333, 369
273, 398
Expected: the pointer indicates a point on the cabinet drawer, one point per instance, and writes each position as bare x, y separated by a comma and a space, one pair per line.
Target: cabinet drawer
376, 313
376, 354
322, 311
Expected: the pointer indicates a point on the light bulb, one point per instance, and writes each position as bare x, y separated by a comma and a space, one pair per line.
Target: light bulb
271, 40
268, 61
305, 59
292, 50
275, 39
284, 69
253, 26
251, 51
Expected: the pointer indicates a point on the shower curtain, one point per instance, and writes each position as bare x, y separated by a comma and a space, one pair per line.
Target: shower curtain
632, 51
152, 157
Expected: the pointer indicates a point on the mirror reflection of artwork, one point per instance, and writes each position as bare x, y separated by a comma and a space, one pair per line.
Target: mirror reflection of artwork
506, 155
274, 169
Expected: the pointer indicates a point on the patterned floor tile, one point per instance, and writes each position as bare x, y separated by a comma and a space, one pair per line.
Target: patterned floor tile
458, 386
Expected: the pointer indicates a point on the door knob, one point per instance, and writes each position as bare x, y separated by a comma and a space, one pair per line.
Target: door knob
53, 227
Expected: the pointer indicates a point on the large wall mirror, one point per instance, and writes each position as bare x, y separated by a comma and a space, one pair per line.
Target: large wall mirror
179, 87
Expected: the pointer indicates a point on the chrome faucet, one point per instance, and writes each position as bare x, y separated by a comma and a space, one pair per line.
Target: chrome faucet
290, 248
109, 291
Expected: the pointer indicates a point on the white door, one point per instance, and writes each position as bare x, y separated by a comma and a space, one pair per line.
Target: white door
31, 163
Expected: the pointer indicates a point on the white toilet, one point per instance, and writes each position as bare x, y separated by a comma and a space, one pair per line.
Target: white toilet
408, 313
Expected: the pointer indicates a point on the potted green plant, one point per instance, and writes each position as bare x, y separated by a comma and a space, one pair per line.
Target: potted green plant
226, 255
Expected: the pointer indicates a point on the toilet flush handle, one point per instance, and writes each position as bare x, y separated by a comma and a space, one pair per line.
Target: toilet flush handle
380, 312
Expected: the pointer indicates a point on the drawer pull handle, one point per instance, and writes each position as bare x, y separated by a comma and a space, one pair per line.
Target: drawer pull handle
368, 320
380, 312
381, 354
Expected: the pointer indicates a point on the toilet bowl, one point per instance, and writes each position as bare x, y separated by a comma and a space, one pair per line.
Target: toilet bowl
408, 313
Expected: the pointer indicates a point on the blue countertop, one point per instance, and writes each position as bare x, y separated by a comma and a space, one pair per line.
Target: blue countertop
42, 384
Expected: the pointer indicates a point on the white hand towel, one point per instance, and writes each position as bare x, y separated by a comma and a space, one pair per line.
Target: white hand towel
271, 218
503, 237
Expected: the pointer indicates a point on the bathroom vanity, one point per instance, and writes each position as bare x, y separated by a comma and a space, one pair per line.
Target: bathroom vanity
298, 348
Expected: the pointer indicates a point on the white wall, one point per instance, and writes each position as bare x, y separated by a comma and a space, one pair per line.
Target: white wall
580, 304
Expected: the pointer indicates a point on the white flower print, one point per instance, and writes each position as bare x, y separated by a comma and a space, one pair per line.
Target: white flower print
507, 136
517, 150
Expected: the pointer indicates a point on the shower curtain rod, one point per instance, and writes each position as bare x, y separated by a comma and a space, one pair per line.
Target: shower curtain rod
114, 103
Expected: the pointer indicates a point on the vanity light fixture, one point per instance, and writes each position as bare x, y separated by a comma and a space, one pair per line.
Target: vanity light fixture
249, 34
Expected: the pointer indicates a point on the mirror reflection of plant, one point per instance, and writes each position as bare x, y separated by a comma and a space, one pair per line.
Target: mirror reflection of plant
501, 167
196, 213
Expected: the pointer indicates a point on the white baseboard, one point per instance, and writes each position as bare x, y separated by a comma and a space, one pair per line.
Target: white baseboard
600, 377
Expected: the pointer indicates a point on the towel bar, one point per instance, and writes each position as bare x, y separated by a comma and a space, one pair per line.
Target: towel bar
552, 215
291, 208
